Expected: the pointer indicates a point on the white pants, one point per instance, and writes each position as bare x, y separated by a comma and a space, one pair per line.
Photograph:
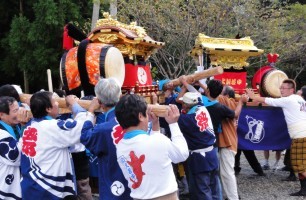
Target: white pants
227, 173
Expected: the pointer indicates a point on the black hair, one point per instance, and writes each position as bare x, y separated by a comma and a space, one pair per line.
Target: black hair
89, 97
9, 90
197, 87
60, 93
5, 102
228, 90
215, 87
303, 89
291, 83
128, 108
39, 102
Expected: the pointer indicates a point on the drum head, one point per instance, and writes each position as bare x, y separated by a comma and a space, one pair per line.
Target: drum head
272, 81
114, 65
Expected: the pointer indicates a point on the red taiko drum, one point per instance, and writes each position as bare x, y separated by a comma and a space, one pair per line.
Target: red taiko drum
256, 81
271, 83
101, 60
269, 80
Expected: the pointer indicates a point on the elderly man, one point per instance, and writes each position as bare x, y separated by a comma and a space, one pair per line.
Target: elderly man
9, 149
102, 139
294, 108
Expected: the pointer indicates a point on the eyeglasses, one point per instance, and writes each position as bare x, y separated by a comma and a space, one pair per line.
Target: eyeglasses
282, 88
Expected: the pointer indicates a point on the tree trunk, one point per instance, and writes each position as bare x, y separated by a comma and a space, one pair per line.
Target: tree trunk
25, 82
95, 13
25, 77
113, 9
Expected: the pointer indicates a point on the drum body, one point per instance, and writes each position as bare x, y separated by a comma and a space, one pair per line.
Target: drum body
101, 61
269, 81
137, 74
256, 81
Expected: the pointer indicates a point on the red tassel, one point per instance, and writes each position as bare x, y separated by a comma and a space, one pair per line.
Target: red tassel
67, 40
272, 58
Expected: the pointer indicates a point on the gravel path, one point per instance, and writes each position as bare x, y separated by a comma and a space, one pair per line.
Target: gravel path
253, 187
269, 187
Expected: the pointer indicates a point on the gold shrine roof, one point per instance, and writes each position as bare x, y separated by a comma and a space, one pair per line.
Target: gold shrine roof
225, 52
131, 40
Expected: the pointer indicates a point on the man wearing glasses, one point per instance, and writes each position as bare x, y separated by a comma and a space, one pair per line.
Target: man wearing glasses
294, 108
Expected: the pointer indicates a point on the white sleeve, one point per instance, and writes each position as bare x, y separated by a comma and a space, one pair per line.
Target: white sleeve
279, 102
70, 135
178, 151
154, 132
190, 88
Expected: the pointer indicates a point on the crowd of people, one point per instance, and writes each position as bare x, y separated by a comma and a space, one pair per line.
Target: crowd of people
45, 156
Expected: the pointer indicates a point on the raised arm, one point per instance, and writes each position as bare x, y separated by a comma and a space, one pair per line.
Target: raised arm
252, 95
178, 150
152, 117
244, 98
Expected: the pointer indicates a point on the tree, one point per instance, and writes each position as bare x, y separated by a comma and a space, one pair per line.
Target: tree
35, 43
178, 22
8, 68
289, 39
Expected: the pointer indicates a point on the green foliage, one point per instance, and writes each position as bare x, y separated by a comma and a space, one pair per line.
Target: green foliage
289, 41
154, 72
36, 45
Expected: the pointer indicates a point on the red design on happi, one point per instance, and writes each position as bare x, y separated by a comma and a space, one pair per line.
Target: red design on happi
117, 134
202, 120
29, 139
135, 163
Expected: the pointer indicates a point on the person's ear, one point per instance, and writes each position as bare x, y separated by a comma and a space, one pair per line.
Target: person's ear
103, 107
141, 118
48, 110
1, 115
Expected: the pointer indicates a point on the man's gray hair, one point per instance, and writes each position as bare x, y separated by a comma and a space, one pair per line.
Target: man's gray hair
108, 91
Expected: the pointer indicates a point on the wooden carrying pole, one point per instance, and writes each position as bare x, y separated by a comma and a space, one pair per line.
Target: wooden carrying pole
50, 86
191, 78
159, 110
